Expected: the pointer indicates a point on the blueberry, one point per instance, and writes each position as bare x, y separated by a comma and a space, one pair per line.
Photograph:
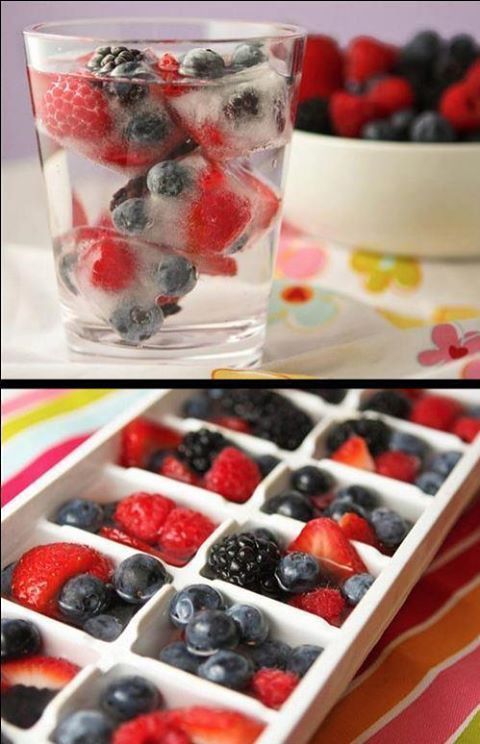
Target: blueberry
359, 495
155, 461
302, 658
311, 480
19, 638
389, 402
401, 122
147, 129
389, 526
135, 322
313, 116
345, 505
83, 596
242, 106
290, 504
139, 577
209, 631
297, 572
128, 697
444, 462
130, 217
271, 654
247, 55
430, 482
202, 63
109, 514
81, 513
192, 599
251, 623
84, 726
176, 654
356, 587
408, 443
422, 49
168, 178
7, 573
463, 48
216, 393
379, 130
198, 406
104, 627
175, 276
431, 126
227, 668
264, 534
266, 463
66, 268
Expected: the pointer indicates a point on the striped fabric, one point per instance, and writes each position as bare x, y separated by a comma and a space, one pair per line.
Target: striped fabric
421, 682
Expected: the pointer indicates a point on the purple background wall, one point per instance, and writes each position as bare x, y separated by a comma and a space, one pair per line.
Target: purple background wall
392, 21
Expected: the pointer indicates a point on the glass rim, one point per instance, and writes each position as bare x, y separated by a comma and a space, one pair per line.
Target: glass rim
280, 30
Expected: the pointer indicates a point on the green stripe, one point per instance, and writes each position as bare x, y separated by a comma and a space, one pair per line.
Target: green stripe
471, 733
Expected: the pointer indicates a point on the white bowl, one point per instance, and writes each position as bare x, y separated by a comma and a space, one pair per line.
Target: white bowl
388, 197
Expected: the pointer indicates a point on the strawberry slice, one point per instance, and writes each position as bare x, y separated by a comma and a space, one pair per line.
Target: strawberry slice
152, 728
234, 423
216, 726
357, 528
324, 539
113, 533
42, 571
39, 671
140, 438
174, 468
354, 452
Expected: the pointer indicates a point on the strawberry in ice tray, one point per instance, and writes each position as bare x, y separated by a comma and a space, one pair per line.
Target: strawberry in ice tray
77, 584
30, 678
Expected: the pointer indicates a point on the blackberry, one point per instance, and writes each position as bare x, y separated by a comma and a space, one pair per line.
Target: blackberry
246, 560
120, 62
287, 427
105, 59
375, 432
199, 448
390, 402
329, 395
22, 705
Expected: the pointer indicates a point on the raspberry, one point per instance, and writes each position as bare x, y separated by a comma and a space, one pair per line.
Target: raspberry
349, 113
115, 534
183, 533
72, 107
324, 602
232, 422
143, 514
273, 686
466, 427
366, 57
113, 263
460, 105
436, 411
398, 465
391, 94
216, 219
233, 475
322, 68
174, 468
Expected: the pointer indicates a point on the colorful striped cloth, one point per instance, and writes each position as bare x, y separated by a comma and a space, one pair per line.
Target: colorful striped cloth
421, 682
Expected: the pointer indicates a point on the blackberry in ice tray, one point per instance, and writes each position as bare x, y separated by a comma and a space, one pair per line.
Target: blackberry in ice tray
246, 560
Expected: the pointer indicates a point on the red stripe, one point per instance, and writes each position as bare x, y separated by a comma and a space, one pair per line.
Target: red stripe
39, 466
467, 523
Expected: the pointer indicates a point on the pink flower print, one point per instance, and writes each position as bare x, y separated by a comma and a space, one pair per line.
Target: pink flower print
471, 371
450, 345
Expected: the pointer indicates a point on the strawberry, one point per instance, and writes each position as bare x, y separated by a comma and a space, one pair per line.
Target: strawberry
42, 571
354, 452
233, 475
436, 411
273, 686
216, 265
366, 57
142, 515
113, 533
182, 534
460, 105
466, 427
79, 216
112, 263
73, 108
322, 68
356, 528
174, 468
349, 113
233, 422
39, 671
215, 726
398, 465
324, 539
267, 202
391, 94
140, 438
216, 219
324, 602
152, 728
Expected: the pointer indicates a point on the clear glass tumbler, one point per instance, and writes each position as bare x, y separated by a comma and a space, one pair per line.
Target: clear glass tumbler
163, 147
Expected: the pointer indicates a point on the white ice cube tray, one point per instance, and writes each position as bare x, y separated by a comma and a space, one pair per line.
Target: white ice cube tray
91, 471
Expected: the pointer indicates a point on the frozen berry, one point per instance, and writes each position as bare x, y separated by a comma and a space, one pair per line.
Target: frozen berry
147, 128
421, 50
183, 533
142, 515
388, 401
247, 55
430, 126
401, 121
302, 658
198, 406
466, 428
81, 513
389, 526
266, 464
290, 504
209, 631
128, 697
436, 411
72, 108
344, 505
444, 462
430, 482
409, 443
104, 627
397, 465
360, 495
311, 480
202, 63
251, 623
324, 602
355, 588
84, 726
233, 475
168, 178
227, 668
139, 577
19, 638
273, 686
84, 596
136, 322
271, 654
190, 600
175, 276
378, 129
176, 654
131, 217
297, 572
242, 106
313, 116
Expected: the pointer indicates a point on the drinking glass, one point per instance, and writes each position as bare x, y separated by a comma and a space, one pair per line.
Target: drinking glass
163, 146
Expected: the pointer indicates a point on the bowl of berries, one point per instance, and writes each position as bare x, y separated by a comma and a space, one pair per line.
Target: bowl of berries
386, 152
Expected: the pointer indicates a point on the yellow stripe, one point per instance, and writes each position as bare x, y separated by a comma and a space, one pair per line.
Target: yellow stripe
401, 671
64, 404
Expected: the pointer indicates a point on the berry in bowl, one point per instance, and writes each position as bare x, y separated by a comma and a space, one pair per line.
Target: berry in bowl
386, 154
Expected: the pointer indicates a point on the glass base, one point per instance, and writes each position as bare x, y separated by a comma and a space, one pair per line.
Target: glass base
236, 345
